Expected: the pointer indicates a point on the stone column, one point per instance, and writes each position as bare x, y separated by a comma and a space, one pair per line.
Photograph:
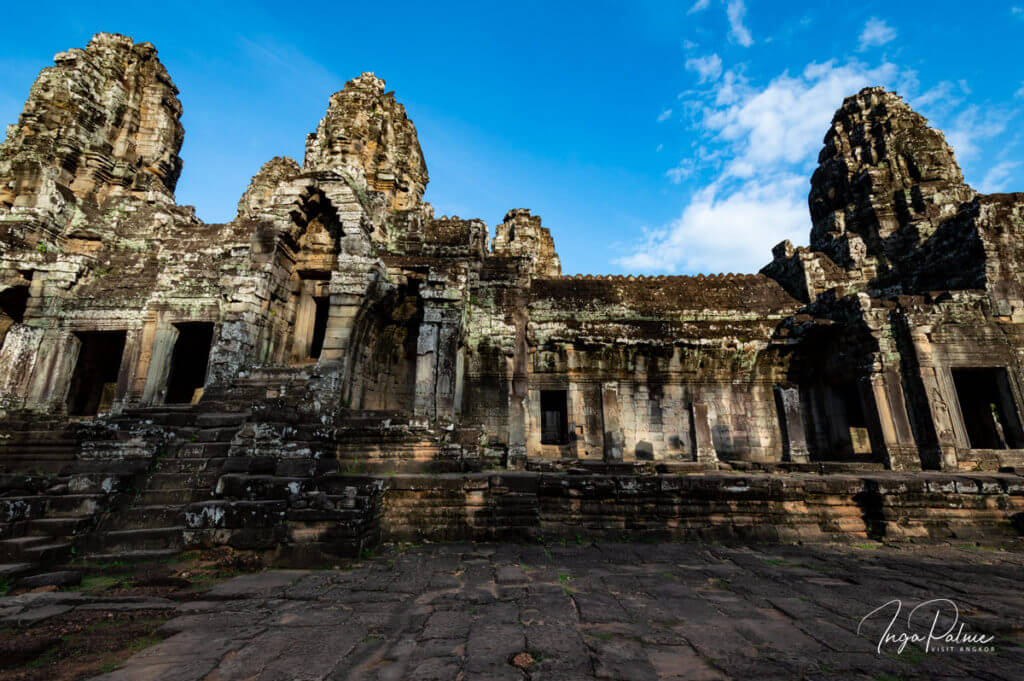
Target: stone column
160, 354
899, 450
791, 417
302, 337
341, 319
435, 362
55, 365
938, 405
126, 374
447, 347
18, 357
700, 432
614, 440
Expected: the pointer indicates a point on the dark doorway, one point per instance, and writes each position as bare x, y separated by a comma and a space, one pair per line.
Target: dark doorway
554, 417
989, 410
95, 377
323, 307
188, 361
13, 302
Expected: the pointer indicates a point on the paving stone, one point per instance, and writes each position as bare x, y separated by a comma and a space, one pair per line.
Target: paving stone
744, 618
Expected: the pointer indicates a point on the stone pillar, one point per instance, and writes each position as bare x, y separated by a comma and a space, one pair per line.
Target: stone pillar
899, 450
55, 365
942, 418
939, 408
435, 362
700, 433
160, 354
518, 398
129, 363
447, 347
791, 418
341, 319
18, 357
305, 313
614, 440
426, 370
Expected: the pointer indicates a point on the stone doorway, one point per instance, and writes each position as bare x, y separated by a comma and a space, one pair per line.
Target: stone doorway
189, 361
988, 408
94, 381
312, 312
322, 306
13, 302
554, 417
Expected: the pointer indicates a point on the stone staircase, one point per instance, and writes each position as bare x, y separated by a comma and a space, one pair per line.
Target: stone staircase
250, 465
51, 494
150, 524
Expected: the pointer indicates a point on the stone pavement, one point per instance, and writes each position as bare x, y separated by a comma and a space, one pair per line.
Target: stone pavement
606, 611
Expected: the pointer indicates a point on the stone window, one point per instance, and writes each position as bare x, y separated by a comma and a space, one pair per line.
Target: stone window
554, 417
95, 378
188, 363
988, 408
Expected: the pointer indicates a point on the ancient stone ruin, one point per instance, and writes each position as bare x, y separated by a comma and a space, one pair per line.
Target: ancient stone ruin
338, 366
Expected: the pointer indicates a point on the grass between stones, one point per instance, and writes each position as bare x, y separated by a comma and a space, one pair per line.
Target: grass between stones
83, 643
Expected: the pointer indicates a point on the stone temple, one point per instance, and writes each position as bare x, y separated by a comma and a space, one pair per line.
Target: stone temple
337, 366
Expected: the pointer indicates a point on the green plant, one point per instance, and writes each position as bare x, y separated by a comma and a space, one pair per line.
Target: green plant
5, 585
42, 248
564, 580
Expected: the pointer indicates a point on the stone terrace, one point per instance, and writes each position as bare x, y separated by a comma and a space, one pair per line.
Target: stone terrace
586, 611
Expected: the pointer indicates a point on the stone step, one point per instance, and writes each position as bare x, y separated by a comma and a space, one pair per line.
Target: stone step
143, 556
49, 553
15, 549
199, 450
221, 419
56, 527
15, 570
221, 434
191, 465
149, 539
65, 505
167, 481
143, 517
39, 462
173, 496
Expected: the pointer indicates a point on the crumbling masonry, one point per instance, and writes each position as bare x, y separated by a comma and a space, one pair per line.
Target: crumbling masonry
337, 365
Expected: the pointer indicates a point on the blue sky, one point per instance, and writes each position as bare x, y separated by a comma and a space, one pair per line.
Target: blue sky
651, 137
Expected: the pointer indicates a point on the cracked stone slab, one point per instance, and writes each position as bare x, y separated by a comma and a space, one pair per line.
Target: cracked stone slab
652, 612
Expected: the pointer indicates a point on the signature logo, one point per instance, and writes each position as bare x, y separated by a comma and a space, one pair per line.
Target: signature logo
933, 625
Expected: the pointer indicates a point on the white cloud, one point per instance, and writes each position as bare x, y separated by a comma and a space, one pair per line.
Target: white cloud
1020, 93
765, 143
726, 230
682, 171
735, 9
785, 121
699, 6
665, 115
689, 44
707, 68
876, 33
998, 177
943, 95
972, 126
1015, 11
